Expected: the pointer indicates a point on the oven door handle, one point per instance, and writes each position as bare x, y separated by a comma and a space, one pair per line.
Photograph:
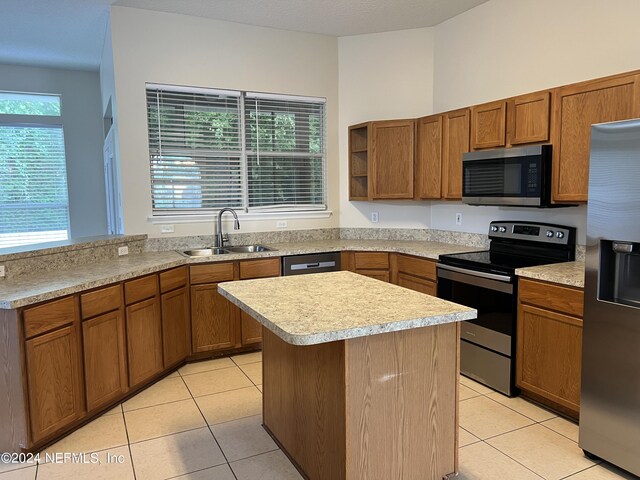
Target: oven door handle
490, 276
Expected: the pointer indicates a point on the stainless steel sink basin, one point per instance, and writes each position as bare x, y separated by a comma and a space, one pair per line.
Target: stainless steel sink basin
249, 249
204, 252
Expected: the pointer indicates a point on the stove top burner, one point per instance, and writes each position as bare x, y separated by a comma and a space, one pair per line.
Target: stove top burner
489, 261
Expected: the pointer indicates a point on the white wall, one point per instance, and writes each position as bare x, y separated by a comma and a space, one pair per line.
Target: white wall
383, 76
182, 50
82, 121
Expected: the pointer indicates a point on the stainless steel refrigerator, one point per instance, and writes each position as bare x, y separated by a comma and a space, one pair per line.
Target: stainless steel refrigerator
610, 396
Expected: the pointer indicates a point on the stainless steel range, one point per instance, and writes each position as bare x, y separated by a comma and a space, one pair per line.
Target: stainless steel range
487, 281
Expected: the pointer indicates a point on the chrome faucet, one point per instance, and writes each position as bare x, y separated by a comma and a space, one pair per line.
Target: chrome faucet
220, 238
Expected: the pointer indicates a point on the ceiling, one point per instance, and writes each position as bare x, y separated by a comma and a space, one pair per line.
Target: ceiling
70, 33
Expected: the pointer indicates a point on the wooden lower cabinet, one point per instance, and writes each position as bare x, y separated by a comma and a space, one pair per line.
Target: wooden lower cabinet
549, 346
418, 284
415, 273
250, 328
105, 359
213, 319
54, 377
175, 326
144, 340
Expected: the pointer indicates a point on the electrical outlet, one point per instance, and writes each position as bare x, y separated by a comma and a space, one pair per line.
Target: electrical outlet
374, 217
2, 272
281, 224
458, 218
167, 229
123, 251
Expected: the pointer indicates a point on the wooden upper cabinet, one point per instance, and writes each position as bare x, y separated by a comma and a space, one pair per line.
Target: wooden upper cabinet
429, 157
528, 118
576, 108
455, 134
392, 157
359, 161
488, 125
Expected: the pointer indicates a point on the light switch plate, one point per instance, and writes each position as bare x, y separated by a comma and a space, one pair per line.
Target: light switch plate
458, 218
374, 217
167, 229
123, 251
281, 224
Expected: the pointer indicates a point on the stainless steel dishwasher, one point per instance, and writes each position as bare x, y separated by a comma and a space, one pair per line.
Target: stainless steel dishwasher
314, 263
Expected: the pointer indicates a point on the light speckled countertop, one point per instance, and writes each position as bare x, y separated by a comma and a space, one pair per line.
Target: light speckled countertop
325, 307
568, 273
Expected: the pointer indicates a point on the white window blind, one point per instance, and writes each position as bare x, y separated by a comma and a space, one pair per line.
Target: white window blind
210, 149
34, 204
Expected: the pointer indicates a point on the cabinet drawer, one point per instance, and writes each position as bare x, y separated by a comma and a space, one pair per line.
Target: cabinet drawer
173, 279
100, 301
49, 316
371, 260
418, 284
269, 267
211, 273
140, 289
552, 297
419, 267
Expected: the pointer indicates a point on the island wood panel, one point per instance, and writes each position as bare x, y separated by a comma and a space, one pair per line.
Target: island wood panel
144, 340
488, 125
175, 326
213, 319
304, 404
455, 134
392, 167
49, 316
429, 157
405, 427
55, 386
105, 359
528, 118
13, 434
101, 301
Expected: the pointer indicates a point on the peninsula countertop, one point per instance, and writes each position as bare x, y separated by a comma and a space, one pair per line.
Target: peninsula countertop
326, 307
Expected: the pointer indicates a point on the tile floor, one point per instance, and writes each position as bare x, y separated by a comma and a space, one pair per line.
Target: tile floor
204, 422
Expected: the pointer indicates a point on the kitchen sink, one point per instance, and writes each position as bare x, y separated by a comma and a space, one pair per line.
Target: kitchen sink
204, 252
249, 249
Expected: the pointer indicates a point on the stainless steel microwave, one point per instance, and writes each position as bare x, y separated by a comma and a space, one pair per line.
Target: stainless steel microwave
519, 176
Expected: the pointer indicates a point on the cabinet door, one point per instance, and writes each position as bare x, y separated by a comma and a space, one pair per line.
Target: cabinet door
577, 107
54, 380
213, 319
455, 130
417, 284
144, 340
251, 329
377, 274
549, 355
528, 118
175, 326
105, 359
429, 157
488, 123
393, 159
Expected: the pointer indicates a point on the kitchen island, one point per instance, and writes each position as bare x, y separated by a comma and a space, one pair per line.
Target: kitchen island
360, 377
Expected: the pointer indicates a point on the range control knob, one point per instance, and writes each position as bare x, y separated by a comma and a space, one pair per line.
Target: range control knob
559, 234
494, 228
503, 229
549, 233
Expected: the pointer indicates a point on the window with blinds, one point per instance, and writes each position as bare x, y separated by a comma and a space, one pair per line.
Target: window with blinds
34, 204
210, 149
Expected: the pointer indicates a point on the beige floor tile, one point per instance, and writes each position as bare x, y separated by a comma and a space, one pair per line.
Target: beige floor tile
28, 473
112, 470
465, 438
177, 454
522, 406
466, 393
544, 451
216, 381
227, 406
243, 438
485, 418
114, 410
107, 431
473, 385
171, 389
206, 365
268, 466
163, 419
8, 467
482, 462
253, 371
172, 375
601, 472
563, 427
259, 387
221, 472
246, 358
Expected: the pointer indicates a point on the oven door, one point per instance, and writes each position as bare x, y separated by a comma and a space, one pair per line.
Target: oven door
488, 342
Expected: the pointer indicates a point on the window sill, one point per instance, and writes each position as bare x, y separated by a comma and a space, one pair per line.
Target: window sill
161, 219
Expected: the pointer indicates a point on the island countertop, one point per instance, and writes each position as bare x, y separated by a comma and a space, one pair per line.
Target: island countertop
326, 307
